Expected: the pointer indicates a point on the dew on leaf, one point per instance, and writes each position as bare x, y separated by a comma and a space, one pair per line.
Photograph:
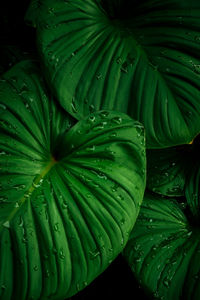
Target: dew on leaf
35, 268
119, 60
124, 67
120, 197
2, 106
56, 227
73, 105
104, 114
61, 254
166, 282
100, 126
117, 120
6, 224
51, 10
91, 119
113, 135
94, 254
64, 205
19, 187
90, 148
2, 153
99, 76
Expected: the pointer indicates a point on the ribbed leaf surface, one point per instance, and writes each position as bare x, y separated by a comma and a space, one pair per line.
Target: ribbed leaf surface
69, 195
138, 57
164, 251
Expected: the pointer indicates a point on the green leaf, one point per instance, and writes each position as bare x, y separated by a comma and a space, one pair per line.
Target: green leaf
69, 194
164, 251
192, 191
137, 57
167, 169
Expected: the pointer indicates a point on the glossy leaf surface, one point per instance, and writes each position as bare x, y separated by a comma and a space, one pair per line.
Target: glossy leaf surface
164, 251
69, 194
137, 57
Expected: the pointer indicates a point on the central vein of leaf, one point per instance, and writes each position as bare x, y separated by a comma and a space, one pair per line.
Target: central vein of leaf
36, 183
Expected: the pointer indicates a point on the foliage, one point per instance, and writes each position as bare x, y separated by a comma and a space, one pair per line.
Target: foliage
99, 149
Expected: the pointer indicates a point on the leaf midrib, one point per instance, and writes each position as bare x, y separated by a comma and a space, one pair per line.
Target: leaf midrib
35, 184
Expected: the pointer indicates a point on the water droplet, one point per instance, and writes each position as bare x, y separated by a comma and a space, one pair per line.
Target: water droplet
6, 224
94, 254
51, 10
90, 148
3, 286
189, 233
91, 119
85, 283
35, 268
91, 108
120, 197
124, 67
122, 221
24, 240
104, 114
99, 76
19, 187
3, 199
47, 273
166, 282
16, 205
47, 26
102, 176
117, 120
64, 205
27, 194
2, 106
61, 254
35, 184
99, 126
113, 135
73, 105
119, 60
56, 227
190, 114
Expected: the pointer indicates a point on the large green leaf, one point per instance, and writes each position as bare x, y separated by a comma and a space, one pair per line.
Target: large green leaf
138, 57
69, 195
164, 251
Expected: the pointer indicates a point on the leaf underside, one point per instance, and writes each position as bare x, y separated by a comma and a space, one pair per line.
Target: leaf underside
137, 57
69, 194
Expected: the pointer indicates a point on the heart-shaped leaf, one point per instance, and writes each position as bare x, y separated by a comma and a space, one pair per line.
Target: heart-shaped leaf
138, 57
164, 251
69, 195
